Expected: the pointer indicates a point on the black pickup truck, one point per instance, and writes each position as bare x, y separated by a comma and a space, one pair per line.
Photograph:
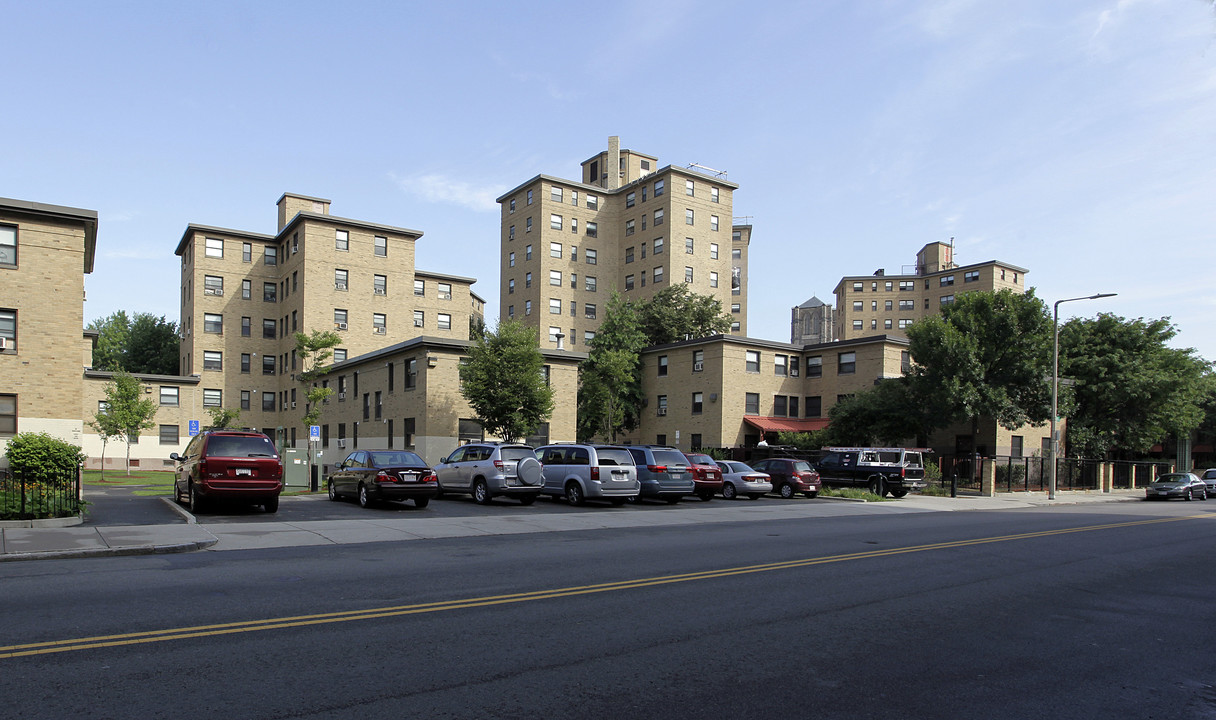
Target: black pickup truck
880, 470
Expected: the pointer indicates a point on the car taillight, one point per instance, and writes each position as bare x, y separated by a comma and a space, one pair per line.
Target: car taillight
595, 473
499, 464
657, 468
430, 478
383, 477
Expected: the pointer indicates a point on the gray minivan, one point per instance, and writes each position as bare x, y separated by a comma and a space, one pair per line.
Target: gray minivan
588, 472
663, 472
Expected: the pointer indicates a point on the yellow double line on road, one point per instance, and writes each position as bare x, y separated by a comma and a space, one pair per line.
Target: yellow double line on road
152, 636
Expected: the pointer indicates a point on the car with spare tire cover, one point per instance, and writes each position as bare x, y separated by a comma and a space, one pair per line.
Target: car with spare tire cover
228, 465
880, 470
581, 472
489, 470
370, 476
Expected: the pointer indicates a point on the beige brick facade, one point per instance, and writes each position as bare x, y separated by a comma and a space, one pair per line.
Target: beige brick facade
881, 303
567, 245
178, 401
45, 251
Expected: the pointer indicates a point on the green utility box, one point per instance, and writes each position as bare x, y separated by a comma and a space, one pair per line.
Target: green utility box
295, 470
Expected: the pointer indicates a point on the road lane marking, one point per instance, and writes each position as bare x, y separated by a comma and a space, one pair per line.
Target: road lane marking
199, 631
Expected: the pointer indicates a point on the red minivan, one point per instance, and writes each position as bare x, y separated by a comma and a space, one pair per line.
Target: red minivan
234, 465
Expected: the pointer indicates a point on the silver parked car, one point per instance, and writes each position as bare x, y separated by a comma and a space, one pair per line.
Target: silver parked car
740, 479
1209, 479
487, 470
1184, 485
579, 472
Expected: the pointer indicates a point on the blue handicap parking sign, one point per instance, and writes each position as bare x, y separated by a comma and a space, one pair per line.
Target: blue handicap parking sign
193, 428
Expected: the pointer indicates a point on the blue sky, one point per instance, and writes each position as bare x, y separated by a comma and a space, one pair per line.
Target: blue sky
1072, 138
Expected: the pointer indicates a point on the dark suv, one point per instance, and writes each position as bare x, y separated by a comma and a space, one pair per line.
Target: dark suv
229, 465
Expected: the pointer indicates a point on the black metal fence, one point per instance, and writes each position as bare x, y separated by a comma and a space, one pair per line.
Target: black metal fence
54, 495
1026, 474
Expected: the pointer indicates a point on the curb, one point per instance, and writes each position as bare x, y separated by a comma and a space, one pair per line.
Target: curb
181, 511
110, 552
62, 522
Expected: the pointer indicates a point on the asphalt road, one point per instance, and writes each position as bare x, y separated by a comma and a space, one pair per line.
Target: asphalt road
1060, 612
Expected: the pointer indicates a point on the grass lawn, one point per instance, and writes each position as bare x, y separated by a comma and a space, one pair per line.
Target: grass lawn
150, 483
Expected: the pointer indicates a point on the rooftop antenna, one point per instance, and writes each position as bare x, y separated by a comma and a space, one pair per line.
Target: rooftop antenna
709, 170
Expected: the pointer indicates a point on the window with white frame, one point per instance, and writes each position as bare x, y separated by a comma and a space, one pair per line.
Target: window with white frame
689, 216
381, 246
688, 188
713, 194
380, 284
687, 274
443, 321
590, 256
213, 323
593, 202
658, 217
658, 187
555, 194
379, 321
527, 252
658, 274
555, 222
751, 361
214, 248
555, 277
8, 245
213, 360
340, 278
445, 291
713, 279
341, 240
713, 222
213, 397
657, 246
169, 396
419, 318
555, 306
713, 251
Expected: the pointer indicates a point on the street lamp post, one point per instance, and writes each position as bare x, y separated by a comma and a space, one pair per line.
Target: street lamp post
1055, 386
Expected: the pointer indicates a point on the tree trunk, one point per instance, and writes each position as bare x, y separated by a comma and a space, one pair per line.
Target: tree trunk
128, 457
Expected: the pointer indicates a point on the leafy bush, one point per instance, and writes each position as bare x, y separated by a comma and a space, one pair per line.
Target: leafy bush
933, 473
1013, 474
38, 457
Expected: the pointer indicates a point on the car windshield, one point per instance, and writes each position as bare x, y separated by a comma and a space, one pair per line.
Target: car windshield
390, 459
240, 446
738, 467
802, 466
669, 457
516, 453
614, 456
1209, 475
1172, 479
699, 459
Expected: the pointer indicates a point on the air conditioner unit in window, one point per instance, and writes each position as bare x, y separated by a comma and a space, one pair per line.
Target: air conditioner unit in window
340, 326
3, 344
662, 412
339, 286
794, 371
213, 291
341, 396
698, 366
293, 406
380, 330
341, 442
381, 291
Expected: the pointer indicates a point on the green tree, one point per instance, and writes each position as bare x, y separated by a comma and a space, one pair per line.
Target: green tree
504, 383
675, 313
38, 457
223, 418
107, 428
1129, 390
610, 387
143, 343
988, 354
131, 411
314, 350
887, 414
113, 333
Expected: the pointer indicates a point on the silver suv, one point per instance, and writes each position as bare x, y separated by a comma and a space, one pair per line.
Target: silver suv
489, 469
588, 472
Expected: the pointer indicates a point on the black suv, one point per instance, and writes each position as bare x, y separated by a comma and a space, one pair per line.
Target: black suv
229, 465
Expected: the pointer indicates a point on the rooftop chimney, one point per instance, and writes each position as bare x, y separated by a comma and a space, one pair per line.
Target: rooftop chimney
614, 162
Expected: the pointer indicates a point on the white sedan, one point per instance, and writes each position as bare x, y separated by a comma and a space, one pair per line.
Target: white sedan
740, 479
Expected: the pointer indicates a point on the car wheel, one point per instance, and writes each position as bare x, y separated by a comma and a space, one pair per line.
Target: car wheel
1204, 494
481, 492
421, 502
527, 499
616, 502
574, 494
705, 496
364, 499
878, 487
194, 503
811, 494
272, 505
728, 491
333, 495
1189, 495
898, 493
786, 491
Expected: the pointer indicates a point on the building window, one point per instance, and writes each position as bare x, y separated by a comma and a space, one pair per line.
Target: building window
214, 248
527, 307
1015, 445
381, 246
555, 194
814, 366
213, 397
688, 188
555, 223
527, 225
658, 275
628, 282
445, 291
267, 402
511, 260
244, 399
270, 256
713, 222
814, 406
847, 364
511, 286
589, 283
629, 227
212, 323
781, 365
713, 194
662, 366
662, 404
946, 280
590, 256
751, 403
511, 233
213, 285
554, 331
213, 360
588, 312
527, 252
886, 324
443, 321
857, 305
904, 323
628, 254
592, 229
658, 187
657, 246
946, 299
688, 246
736, 253
268, 364
8, 414
169, 396
780, 406
527, 280
588, 336
629, 199
856, 324
341, 240
269, 329
752, 361
419, 318
687, 274
658, 217
555, 306
887, 305
8, 246
169, 434
379, 322
555, 277
713, 279
270, 292
340, 278
340, 318
339, 355
697, 403
593, 202
419, 288
246, 290
510, 311
971, 276
411, 373
380, 284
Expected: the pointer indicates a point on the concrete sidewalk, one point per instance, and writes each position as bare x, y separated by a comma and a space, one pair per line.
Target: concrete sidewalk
81, 541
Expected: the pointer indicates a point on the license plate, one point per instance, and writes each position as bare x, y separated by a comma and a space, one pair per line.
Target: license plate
409, 477
243, 471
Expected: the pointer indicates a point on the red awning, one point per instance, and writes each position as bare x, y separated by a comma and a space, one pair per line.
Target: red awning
776, 424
